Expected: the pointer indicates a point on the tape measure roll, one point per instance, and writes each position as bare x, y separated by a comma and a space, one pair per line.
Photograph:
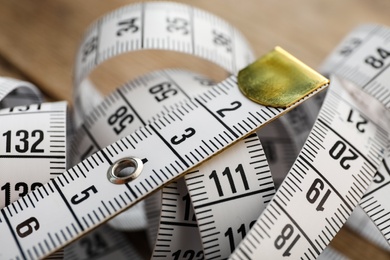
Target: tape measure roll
84, 183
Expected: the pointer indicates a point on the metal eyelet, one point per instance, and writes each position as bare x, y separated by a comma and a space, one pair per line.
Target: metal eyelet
125, 170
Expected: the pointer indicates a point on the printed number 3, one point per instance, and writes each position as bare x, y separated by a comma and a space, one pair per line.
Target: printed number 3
188, 133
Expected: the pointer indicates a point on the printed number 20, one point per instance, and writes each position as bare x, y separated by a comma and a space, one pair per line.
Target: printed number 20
338, 151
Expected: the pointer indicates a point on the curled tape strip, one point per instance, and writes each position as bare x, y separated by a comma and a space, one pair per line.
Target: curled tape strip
149, 26
331, 174
15, 92
310, 182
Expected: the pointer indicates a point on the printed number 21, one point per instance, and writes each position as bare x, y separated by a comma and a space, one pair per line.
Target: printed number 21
359, 124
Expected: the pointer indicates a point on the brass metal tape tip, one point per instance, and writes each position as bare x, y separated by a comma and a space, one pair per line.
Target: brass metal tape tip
278, 79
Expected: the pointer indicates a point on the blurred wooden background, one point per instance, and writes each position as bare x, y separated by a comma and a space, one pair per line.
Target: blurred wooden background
38, 42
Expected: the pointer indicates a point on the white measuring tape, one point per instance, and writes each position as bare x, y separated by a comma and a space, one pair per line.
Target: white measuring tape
34, 133
225, 41
348, 139
134, 28
327, 196
15, 92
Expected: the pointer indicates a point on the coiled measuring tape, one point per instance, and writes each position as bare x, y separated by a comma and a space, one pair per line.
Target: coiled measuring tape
151, 40
141, 139
99, 207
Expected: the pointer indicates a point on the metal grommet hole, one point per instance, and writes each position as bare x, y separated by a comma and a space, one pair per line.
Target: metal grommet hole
125, 170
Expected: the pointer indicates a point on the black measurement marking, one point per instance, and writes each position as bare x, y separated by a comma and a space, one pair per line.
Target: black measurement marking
216, 117
378, 188
192, 30
296, 224
175, 83
91, 137
367, 38
34, 156
234, 197
169, 223
13, 234
233, 52
376, 76
132, 191
358, 111
106, 157
130, 106
169, 146
99, 31
327, 182
244, 253
142, 24
67, 204
35, 112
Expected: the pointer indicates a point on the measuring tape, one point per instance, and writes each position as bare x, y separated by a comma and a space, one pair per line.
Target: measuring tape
113, 44
158, 135
134, 28
179, 135
149, 26
208, 204
227, 43
102, 243
361, 58
328, 196
35, 133
96, 123
16, 92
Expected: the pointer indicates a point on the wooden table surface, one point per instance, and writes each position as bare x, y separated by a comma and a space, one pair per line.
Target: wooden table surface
39, 39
